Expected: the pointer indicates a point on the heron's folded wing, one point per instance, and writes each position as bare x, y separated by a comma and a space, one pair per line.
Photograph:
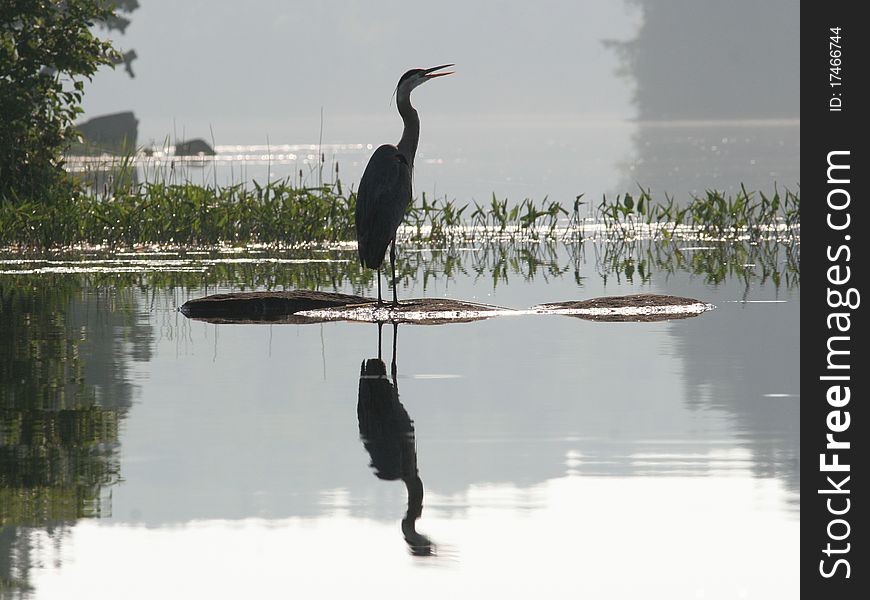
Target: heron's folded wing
383, 196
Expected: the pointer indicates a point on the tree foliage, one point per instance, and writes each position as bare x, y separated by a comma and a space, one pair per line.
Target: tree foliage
47, 50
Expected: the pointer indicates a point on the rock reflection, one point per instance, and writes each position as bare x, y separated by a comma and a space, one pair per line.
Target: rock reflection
387, 432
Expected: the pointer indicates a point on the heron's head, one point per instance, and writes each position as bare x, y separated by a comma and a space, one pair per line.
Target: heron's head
415, 77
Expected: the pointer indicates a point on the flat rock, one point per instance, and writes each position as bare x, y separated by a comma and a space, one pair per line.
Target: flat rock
421, 311
265, 307
633, 307
309, 306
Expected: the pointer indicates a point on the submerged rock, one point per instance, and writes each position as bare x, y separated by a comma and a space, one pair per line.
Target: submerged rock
634, 307
308, 306
264, 307
421, 311
194, 147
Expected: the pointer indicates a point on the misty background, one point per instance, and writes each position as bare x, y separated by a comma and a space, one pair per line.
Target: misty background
250, 69
551, 98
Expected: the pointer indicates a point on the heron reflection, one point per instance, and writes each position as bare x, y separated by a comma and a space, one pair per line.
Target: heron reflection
387, 432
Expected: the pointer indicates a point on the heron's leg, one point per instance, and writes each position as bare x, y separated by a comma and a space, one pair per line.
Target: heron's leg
380, 301
393, 266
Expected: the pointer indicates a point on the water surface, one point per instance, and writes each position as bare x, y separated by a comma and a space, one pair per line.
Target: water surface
554, 454
515, 157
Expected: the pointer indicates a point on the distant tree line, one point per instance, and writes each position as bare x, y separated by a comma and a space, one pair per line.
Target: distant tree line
708, 59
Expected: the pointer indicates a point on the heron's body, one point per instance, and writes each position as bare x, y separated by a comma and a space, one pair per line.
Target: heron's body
385, 188
381, 203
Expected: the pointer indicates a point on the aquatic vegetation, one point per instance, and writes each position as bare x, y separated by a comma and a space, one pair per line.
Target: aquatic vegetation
748, 215
442, 219
287, 213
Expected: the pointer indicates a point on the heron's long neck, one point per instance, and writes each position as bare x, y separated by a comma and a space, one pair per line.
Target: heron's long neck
411, 134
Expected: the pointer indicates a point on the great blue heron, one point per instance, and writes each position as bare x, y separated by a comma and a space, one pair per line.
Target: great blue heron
385, 188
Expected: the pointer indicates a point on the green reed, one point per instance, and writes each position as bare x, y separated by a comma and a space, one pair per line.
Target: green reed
748, 215
289, 213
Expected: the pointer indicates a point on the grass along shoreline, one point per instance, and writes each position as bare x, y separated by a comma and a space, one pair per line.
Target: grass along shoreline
284, 213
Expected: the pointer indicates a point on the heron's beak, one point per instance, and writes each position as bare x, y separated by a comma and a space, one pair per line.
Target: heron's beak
429, 73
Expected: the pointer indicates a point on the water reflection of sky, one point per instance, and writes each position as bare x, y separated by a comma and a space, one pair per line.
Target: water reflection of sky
712, 537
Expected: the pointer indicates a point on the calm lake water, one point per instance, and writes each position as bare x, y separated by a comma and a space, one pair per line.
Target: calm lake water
148, 455
526, 156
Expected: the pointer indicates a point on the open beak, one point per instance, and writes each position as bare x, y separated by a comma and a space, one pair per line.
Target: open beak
429, 73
